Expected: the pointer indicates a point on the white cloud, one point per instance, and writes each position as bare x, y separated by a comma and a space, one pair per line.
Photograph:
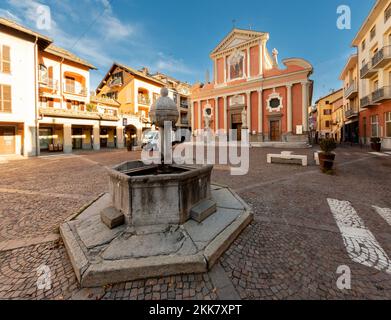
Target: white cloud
169, 64
9, 15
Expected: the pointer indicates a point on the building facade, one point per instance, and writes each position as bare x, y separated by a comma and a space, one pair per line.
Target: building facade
351, 101
19, 49
45, 98
135, 91
325, 107
180, 92
373, 43
338, 119
249, 90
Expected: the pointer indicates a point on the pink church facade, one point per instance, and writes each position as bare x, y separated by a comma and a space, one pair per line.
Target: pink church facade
246, 77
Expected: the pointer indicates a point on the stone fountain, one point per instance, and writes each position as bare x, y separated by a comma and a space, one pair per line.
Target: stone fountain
156, 220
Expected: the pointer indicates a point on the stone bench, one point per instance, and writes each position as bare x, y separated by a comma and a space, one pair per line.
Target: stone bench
316, 157
288, 156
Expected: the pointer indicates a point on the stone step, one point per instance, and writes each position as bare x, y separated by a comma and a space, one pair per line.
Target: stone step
112, 218
203, 210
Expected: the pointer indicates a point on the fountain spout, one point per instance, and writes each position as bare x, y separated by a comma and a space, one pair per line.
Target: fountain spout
162, 111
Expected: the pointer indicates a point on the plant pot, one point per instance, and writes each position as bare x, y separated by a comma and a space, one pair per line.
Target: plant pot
326, 161
376, 146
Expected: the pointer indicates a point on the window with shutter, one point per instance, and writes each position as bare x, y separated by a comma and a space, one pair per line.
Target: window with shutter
6, 59
5, 98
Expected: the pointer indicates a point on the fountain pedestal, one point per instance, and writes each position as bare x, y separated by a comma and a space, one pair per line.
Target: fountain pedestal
174, 220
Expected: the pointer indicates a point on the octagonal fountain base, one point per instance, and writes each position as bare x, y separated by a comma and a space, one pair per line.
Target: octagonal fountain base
101, 256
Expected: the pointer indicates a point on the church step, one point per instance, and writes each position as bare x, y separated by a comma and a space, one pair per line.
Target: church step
203, 210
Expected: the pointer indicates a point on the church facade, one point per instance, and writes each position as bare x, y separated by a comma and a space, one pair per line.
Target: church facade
250, 91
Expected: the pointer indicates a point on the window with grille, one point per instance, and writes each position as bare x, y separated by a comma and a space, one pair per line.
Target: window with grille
5, 98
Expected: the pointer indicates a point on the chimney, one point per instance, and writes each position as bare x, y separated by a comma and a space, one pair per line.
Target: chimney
145, 71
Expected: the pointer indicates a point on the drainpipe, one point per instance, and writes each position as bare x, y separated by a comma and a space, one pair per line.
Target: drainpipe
37, 146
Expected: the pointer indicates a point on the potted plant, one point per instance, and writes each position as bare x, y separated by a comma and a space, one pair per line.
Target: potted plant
129, 145
376, 144
327, 157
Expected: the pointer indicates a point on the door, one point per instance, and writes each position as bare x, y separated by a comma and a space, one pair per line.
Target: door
236, 120
103, 138
275, 133
77, 138
7, 140
45, 138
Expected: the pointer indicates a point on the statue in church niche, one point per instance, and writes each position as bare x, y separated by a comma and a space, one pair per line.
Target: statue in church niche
244, 118
207, 118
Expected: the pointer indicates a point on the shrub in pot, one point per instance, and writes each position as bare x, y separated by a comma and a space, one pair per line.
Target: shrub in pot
376, 144
129, 145
327, 157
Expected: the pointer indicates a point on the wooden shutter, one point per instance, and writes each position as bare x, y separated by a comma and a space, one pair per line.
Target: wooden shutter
6, 98
6, 60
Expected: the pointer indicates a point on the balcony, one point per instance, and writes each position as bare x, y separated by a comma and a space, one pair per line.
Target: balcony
367, 102
77, 114
103, 100
351, 113
381, 95
367, 71
144, 100
117, 82
382, 57
352, 91
74, 89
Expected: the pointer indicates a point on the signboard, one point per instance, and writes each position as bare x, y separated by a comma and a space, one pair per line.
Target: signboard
299, 129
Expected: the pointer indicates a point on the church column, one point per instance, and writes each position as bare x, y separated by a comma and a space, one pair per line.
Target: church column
260, 112
217, 114
248, 63
192, 115
260, 59
225, 114
305, 106
199, 117
248, 94
225, 69
289, 109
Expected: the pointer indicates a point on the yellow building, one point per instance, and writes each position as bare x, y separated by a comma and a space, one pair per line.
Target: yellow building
338, 118
324, 108
351, 101
135, 91
373, 43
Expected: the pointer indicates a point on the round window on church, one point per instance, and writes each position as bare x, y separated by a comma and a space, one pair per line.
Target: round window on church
275, 103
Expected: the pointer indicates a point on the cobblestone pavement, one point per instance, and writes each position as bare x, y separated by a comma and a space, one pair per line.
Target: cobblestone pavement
292, 250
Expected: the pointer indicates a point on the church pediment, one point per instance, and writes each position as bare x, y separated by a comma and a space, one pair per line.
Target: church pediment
236, 38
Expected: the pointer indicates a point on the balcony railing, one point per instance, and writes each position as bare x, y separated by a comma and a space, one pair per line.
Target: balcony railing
66, 113
381, 94
48, 83
367, 102
367, 71
103, 100
382, 57
73, 89
350, 113
144, 100
387, 14
351, 91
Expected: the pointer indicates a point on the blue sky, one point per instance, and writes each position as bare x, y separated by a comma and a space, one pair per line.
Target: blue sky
176, 37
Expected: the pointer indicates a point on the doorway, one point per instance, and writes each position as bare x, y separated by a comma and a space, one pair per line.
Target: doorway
45, 138
236, 121
7, 140
77, 138
275, 130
